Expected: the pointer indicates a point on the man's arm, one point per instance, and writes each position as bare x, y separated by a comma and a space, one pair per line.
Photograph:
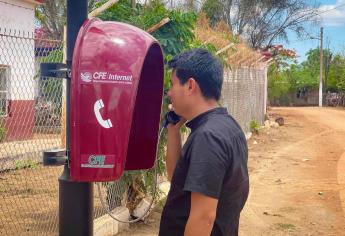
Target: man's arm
174, 146
202, 215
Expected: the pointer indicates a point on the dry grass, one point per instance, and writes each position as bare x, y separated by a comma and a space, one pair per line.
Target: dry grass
239, 54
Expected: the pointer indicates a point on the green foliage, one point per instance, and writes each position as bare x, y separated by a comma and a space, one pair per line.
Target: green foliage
52, 88
213, 10
307, 74
278, 85
174, 37
284, 226
337, 74
293, 77
312, 65
2, 132
254, 126
177, 35
24, 164
300, 77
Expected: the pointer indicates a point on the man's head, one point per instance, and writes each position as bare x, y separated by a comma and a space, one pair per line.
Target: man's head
197, 77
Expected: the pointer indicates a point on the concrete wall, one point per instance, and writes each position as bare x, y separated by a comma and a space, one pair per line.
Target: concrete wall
17, 53
17, 23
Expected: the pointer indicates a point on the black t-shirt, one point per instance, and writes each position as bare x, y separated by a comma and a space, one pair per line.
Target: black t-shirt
214, 163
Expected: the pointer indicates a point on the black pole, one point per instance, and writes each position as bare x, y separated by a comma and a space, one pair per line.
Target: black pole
75, 199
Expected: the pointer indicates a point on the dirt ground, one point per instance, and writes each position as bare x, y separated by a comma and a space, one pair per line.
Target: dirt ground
297, 175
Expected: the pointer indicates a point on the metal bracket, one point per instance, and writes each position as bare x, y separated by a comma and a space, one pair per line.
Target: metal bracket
55, 157
56, 70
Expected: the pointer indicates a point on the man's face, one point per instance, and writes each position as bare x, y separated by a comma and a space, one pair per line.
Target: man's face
177, 95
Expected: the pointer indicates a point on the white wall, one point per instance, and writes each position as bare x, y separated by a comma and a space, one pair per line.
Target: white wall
16, 48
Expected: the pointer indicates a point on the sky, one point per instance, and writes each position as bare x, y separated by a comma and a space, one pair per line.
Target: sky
333, 22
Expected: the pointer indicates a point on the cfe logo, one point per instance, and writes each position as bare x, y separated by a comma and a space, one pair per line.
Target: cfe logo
86, 76
96, 160
99, 75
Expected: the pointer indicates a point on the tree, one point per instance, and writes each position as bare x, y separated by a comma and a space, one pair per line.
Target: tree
278, 80
337, 74
213, 10
263, 21
278, 84
312, 64
175, 36
51, 16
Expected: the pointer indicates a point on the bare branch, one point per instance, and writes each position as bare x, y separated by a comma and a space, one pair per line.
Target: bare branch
158, 25
102, 8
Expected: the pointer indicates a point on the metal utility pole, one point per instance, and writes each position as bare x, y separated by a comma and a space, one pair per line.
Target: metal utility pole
321, 67
75, 199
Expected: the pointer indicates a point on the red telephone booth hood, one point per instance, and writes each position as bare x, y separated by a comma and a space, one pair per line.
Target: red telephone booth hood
116, 97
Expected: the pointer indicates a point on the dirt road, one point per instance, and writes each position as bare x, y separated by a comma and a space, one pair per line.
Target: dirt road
297, 174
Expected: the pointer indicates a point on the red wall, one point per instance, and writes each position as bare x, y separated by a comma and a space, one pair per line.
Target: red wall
19, 123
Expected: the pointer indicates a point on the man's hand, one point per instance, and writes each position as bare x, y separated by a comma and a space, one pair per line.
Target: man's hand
202, 215
174, 145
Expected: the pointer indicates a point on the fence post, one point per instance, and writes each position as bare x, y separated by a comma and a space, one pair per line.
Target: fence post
75, 199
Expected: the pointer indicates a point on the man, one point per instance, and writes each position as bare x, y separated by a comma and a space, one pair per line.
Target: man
209, 175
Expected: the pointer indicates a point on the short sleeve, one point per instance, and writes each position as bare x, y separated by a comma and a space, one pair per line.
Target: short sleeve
208, 163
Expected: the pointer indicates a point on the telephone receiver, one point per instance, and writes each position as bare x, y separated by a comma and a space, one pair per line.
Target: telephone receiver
104, 123
171, 118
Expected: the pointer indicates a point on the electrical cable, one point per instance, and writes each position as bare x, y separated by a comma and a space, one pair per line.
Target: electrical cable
334, 8
146, 212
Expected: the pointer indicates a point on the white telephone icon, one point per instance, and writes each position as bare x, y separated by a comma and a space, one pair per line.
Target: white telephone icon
104, 123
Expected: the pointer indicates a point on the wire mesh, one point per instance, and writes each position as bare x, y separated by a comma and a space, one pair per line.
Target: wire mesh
32, 120
29, 124
243, 95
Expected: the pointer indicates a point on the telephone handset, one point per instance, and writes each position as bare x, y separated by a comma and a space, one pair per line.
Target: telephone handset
171, 117
104, 123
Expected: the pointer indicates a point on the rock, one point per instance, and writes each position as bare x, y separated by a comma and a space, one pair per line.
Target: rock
320, 193
142, 207
255, 142
248, 135
267, 124
275, 125
305, 159
280, 121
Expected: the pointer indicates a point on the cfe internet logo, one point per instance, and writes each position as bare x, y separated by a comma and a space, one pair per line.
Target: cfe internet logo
96, 161
106, 77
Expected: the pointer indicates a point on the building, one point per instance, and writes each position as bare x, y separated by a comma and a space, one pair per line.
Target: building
17, 69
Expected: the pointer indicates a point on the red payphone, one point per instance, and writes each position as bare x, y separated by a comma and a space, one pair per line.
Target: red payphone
116, 98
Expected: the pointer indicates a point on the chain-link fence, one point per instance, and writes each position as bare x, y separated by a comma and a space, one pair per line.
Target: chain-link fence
31, 121
244, 94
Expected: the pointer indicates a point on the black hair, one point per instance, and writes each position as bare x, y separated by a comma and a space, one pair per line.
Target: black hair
203, 67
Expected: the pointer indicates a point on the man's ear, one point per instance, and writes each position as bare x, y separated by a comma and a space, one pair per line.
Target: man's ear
192, 85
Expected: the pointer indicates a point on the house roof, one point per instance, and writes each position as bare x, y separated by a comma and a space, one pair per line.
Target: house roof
37, 2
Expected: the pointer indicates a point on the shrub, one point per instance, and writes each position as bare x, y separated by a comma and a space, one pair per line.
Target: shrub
24, 164
254, 126
2, 132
